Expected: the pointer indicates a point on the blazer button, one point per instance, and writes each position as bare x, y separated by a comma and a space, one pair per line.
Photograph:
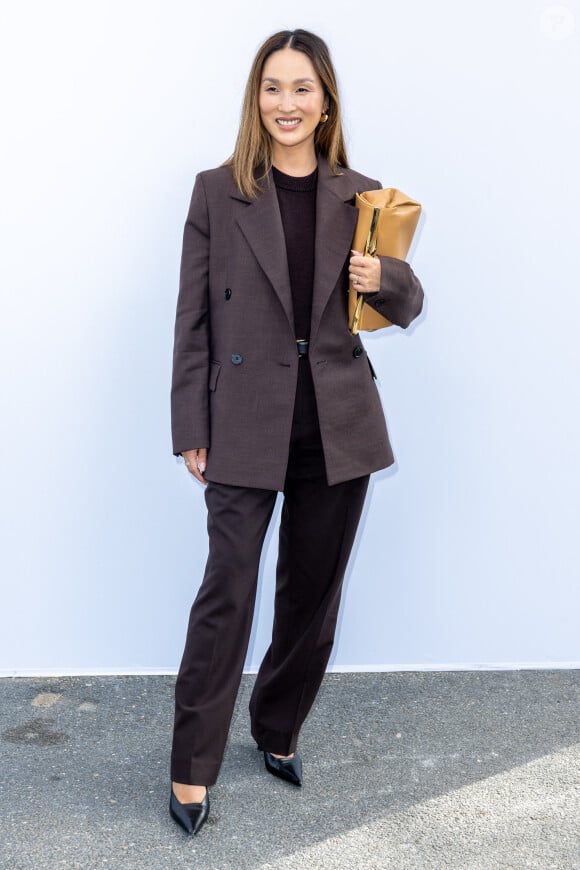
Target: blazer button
237, 359
228, 294
357, 352
379, 303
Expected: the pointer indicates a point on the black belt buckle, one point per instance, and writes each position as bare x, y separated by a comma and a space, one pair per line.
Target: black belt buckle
302, 347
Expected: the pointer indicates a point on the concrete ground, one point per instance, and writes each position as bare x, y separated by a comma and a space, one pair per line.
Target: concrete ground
470, 770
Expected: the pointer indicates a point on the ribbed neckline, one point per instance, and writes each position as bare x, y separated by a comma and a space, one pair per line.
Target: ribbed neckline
291, 182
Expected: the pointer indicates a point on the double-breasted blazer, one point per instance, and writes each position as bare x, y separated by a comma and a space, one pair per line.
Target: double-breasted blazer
235, 358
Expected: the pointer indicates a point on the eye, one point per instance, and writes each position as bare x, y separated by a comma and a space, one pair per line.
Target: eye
271, 89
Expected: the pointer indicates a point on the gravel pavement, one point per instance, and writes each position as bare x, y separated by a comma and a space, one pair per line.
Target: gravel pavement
471, 770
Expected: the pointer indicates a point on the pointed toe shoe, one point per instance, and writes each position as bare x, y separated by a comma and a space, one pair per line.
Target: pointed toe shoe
289, 769
190, 816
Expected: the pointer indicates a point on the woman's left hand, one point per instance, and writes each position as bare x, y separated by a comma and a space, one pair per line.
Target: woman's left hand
365, 272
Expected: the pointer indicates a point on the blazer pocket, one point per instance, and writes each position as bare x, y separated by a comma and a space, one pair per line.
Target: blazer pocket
214, 373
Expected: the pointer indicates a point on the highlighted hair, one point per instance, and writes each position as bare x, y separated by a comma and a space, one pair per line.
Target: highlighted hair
252, 157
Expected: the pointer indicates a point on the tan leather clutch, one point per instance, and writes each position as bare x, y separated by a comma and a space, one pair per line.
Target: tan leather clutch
386, 224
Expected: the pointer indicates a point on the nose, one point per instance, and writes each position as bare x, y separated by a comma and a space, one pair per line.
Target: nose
286, 101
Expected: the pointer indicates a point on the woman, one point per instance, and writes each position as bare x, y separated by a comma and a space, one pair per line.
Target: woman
271, 392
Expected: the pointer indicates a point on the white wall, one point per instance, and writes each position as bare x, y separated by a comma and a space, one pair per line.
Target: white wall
468, 554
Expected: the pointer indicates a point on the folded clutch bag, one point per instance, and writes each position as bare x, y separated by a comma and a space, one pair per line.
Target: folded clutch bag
386, 223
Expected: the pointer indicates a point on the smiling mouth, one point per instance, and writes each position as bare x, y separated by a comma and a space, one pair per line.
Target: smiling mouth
288, 122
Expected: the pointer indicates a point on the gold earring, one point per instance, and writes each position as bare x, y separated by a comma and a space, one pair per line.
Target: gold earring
324, 117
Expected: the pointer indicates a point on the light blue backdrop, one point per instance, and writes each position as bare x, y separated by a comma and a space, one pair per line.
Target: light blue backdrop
468, 553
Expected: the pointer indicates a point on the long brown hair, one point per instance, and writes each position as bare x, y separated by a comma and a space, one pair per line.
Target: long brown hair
253, 149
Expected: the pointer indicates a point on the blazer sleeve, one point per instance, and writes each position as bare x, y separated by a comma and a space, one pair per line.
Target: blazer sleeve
400, 298
191, 350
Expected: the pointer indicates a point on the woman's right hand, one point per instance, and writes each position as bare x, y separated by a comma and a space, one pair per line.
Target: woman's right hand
195, 461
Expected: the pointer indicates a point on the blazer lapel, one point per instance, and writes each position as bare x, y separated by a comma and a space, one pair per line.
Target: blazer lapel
336, 217
261, 224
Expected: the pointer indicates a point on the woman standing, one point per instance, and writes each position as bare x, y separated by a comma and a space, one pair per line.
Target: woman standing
272, 393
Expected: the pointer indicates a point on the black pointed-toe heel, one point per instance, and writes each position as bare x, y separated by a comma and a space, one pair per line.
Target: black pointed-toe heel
190, 816
289, 769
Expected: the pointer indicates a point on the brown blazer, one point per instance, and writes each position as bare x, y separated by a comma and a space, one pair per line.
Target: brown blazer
235, 360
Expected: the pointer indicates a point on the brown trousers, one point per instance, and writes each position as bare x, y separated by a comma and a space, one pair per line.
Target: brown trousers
317, 530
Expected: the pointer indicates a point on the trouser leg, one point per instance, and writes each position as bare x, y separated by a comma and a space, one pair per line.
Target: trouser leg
317, 531
219, 629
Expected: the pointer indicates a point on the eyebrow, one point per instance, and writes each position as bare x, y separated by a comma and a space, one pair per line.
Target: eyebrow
295, 82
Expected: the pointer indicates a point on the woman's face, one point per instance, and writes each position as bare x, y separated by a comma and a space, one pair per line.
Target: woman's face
291, 101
